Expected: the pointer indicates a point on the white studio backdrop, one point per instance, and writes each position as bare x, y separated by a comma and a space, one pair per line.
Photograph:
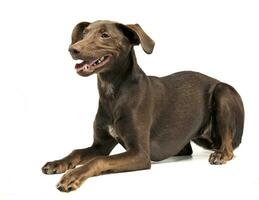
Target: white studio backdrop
47, 110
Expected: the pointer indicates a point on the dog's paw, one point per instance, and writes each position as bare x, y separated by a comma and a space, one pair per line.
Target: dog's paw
217, 158
71, 180
56, 167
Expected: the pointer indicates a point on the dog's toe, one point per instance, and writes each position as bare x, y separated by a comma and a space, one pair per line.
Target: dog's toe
61, 188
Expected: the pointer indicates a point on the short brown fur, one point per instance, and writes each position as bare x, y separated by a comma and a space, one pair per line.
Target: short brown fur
152, 118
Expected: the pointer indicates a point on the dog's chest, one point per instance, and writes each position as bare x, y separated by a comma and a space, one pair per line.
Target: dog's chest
108, 88
112, 132
115, 135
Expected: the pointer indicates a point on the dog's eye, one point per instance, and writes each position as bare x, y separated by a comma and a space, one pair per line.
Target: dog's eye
105, 35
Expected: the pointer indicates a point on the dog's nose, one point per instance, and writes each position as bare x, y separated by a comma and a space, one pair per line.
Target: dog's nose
74, 50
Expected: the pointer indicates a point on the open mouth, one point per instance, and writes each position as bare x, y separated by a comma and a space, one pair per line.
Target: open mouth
93, 65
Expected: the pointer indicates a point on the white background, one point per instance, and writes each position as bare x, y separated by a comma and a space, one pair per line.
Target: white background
47, 110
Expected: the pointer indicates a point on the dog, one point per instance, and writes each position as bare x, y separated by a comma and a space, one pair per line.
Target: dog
152, 118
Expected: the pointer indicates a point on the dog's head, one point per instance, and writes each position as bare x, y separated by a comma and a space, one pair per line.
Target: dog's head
103, 44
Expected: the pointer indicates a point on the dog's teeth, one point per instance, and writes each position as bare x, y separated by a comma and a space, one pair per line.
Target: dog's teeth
102, 58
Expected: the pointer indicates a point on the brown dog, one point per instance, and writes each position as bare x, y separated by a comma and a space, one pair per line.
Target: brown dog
152, 118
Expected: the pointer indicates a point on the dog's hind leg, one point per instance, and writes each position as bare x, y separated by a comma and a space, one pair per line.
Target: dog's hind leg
228, 114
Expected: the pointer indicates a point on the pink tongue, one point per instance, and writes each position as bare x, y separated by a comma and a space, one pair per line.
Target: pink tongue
79, 65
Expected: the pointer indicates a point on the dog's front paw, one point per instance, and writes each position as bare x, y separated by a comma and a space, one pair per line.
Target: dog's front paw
71, 180
56, 167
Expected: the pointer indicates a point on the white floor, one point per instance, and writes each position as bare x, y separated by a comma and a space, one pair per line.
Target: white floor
47, 110
175, 178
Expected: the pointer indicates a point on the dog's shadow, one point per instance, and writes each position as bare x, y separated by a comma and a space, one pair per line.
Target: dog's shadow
204, 155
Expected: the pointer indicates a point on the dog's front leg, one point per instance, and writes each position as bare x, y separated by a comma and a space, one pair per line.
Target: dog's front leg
102, 145
72, 160
128, 161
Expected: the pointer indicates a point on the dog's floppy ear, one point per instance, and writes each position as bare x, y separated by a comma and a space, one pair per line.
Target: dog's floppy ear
136, 36
77, 33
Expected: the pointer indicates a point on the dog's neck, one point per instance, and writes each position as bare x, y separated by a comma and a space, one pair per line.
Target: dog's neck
109, 82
